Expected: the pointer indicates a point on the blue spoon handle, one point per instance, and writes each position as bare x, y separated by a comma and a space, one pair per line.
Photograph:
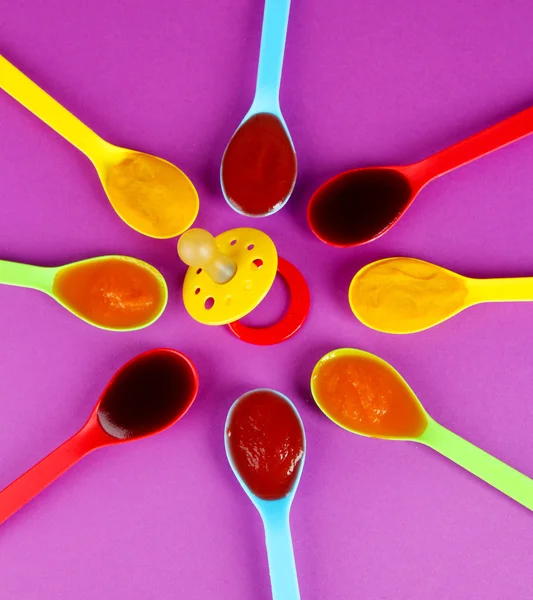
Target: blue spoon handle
275, 20
283, 577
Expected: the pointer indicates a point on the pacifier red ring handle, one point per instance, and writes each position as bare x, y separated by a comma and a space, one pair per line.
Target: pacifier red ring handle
292, 320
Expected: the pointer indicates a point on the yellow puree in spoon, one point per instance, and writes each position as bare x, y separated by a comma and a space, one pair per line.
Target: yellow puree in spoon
152, 195
403, 295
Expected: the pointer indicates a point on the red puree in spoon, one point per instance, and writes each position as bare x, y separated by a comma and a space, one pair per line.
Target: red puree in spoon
266, 443
147, 397
259, 166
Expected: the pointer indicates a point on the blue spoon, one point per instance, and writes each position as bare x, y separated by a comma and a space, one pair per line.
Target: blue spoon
275, 516
266, 99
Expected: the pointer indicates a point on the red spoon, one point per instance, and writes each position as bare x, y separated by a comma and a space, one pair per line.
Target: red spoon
360, 205
148, 394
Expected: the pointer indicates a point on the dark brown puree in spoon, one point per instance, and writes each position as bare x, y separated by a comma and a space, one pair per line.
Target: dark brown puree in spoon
148, 396
358, 206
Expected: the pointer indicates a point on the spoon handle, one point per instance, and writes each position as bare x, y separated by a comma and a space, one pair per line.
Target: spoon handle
486, 141
283, 576
36, 100
496, 473
28, 485
512, 289
273, 36
39, 278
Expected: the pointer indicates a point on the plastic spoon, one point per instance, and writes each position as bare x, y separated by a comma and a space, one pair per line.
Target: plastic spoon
146, 396
365, 395
148, 193
259, 167
360, 205
117, 293
406, 295
265, 446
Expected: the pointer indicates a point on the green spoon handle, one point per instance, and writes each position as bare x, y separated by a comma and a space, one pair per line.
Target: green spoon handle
513, 289
36, 100
38, 278
496, 473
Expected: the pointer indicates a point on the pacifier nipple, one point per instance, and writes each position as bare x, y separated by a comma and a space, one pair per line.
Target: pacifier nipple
198, 248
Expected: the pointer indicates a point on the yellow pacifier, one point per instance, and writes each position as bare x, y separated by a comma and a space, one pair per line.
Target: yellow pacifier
229, 275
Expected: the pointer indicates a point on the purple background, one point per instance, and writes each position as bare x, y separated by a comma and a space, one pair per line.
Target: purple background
364, 83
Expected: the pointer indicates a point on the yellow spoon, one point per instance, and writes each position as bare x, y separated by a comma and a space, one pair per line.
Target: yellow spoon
148, 193
406, 295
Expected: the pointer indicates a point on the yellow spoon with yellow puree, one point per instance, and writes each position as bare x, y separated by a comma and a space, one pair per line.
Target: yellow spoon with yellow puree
406, 295
148, 193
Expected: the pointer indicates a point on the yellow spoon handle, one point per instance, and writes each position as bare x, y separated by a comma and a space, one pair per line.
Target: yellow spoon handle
36, 100
517, 289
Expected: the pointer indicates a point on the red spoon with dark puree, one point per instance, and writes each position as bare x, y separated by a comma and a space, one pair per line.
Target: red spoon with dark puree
147, 395
360, 205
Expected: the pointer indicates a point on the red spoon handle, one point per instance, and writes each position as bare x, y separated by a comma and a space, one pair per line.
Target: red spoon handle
27, 486
488, 140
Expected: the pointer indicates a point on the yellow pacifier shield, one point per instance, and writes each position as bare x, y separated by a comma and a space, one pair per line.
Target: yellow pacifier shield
213, 303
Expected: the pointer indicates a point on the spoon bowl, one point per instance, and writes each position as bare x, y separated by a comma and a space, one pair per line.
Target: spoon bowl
361, 205
372, 399
343, 211
148, 193
146, 396
116, 293
365, 395
149, 394
265, 447
407, 295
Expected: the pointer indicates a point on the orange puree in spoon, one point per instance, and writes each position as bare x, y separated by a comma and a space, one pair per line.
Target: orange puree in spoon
365, 395
113, 292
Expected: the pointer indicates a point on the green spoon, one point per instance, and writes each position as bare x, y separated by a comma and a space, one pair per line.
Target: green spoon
364, 394
117, 293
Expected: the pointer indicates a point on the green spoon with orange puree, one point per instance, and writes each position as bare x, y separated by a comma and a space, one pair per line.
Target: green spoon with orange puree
118, 293
365, 395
